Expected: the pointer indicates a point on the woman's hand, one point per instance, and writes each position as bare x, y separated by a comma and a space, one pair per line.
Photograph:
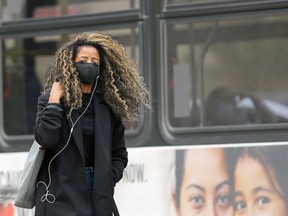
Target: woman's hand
56, 93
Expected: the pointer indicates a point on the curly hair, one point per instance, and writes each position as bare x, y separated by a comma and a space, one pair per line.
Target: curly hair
120, 83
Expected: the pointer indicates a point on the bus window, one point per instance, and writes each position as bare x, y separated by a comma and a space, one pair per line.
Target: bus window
19, 9
226, 72
25, 63
172, 2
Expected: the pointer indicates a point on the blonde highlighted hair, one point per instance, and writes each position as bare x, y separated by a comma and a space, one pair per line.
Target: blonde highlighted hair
120, 83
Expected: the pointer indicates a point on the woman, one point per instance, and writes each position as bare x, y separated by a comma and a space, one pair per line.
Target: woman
92, 85
260, 178
202, 183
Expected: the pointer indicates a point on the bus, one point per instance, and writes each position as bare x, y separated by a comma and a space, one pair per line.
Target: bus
217, 72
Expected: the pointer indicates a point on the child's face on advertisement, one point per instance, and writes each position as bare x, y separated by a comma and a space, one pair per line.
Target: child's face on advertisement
205, 188
255, 190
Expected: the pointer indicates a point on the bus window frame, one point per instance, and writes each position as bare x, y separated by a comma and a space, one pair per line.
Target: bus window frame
59, 16
63, 25
217, 8
210, 134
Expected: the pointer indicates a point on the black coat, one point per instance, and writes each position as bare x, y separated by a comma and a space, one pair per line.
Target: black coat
69, 184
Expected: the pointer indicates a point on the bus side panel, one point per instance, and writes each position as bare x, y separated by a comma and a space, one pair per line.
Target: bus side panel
11, 165
206, 180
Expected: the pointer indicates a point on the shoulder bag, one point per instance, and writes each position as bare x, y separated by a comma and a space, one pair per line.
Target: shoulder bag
26, 192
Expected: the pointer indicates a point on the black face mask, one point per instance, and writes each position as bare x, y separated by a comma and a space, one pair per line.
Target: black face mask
87, 72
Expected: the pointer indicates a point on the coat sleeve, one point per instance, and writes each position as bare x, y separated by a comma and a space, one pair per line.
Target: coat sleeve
119, 152
48, 122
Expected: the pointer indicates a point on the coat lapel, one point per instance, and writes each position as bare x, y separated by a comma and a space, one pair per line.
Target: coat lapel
77, 132
102, 123
103, 187
102, 137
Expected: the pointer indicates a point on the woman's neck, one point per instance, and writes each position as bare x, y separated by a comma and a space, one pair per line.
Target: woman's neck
86, 88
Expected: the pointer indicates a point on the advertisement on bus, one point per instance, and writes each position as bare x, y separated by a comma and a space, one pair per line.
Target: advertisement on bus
179, 181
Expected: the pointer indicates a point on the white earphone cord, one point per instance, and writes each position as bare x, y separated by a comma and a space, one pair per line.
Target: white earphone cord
50, 198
